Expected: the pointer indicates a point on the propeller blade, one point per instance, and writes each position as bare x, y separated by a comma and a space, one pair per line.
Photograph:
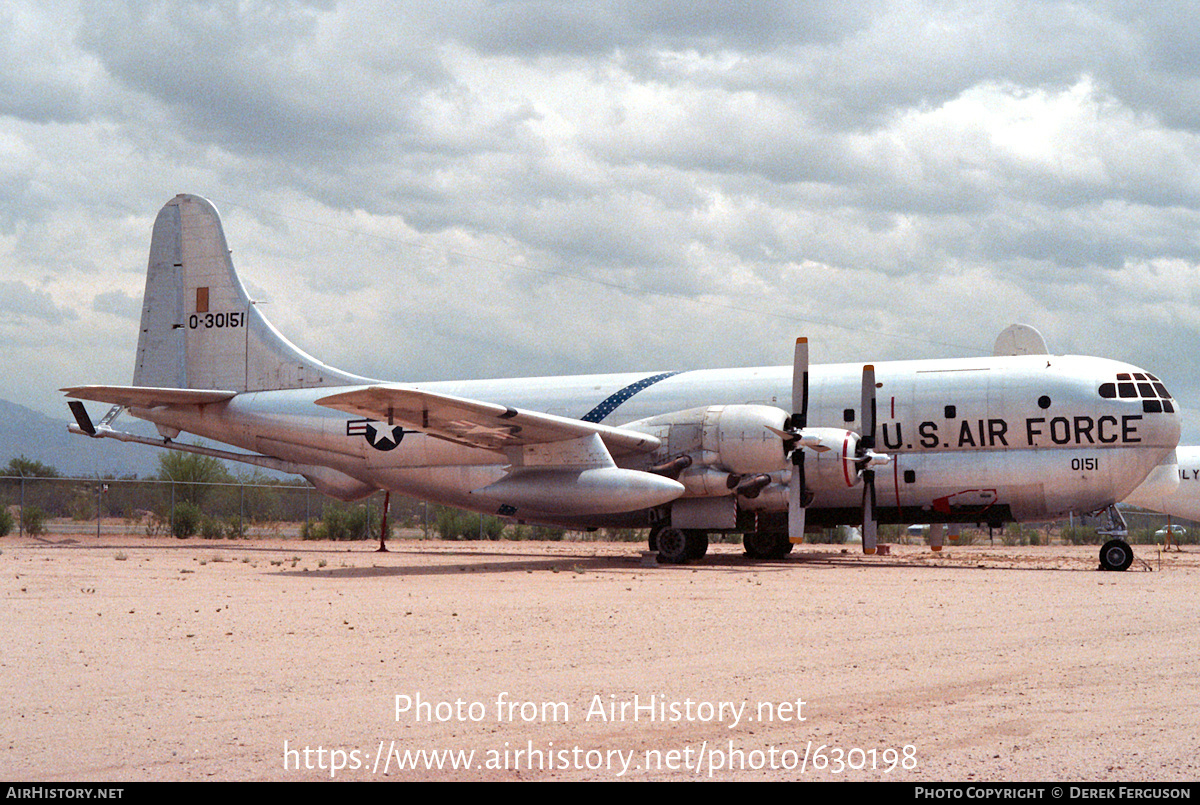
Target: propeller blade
868, 408
796, 500
800, 385
870, 526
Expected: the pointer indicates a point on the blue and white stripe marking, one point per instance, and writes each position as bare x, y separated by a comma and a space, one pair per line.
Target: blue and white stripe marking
614, 401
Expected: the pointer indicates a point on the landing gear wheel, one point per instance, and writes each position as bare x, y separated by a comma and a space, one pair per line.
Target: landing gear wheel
1116, 555
673, 546
766, 545
697, 544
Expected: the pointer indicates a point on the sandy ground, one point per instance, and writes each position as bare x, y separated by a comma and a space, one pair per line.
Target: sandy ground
125, 658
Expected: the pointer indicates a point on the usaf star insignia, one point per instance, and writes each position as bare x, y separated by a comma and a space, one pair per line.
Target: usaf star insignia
379, 435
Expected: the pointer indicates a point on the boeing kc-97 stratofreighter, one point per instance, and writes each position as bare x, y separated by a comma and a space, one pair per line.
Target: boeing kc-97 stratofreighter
765, 452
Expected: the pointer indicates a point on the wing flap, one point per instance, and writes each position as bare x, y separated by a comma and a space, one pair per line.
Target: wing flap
476, 423
146, 396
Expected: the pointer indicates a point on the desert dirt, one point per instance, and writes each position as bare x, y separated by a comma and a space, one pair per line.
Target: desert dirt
126, 658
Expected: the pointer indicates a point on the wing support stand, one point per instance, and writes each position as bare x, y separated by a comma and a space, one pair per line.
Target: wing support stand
387, 497
383, 528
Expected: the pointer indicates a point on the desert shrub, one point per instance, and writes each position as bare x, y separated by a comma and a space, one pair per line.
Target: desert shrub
235, 528
345, 523
211, 528
185, 520
624, 534
6, 521
1017, 534
1080, 535
33, 520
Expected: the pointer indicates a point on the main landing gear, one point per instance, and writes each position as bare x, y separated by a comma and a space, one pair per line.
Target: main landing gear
678, 545
675, 546
766, 544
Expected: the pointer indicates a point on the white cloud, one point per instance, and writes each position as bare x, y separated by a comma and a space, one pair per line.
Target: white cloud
538, 187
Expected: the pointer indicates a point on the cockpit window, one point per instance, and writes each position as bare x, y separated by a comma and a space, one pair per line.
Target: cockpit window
1140, 386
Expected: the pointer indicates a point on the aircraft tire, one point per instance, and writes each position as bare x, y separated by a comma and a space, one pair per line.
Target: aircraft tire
766, 545
673, 546
1116, 555
697, 544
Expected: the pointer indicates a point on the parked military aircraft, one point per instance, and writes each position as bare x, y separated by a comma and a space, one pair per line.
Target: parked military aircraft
762, 451
1173, 487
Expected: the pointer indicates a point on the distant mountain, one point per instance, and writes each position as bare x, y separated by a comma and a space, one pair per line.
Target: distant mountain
24, 431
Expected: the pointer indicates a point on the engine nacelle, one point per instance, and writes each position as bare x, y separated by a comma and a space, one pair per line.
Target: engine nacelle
829, 464
738, 439
732, 446
743, 439
829, 455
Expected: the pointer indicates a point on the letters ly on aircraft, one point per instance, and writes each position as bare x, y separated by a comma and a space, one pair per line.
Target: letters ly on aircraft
766, 452
1173, 487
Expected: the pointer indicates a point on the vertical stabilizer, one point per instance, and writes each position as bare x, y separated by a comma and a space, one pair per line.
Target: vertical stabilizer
199, 328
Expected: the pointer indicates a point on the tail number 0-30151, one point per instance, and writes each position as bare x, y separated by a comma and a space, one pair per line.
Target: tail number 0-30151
1085, 464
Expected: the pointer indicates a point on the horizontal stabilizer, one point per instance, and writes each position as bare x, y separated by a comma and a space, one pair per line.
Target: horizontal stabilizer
143, 397
478, 424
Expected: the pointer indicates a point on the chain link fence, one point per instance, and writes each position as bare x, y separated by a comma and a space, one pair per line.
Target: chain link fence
35, 506
250, 510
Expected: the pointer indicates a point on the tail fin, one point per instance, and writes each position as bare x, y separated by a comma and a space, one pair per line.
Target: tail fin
199, 328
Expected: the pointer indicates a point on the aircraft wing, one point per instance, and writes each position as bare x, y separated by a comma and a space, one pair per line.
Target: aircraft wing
147, 397
479, 424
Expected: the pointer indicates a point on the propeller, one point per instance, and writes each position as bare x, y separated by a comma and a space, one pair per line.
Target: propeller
866, 444
795, 438
797, 423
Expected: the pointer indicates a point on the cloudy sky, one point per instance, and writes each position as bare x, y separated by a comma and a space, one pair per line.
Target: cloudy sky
480, 189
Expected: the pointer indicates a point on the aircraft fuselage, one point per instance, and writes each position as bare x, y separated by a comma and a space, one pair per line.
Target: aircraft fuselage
971, 440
